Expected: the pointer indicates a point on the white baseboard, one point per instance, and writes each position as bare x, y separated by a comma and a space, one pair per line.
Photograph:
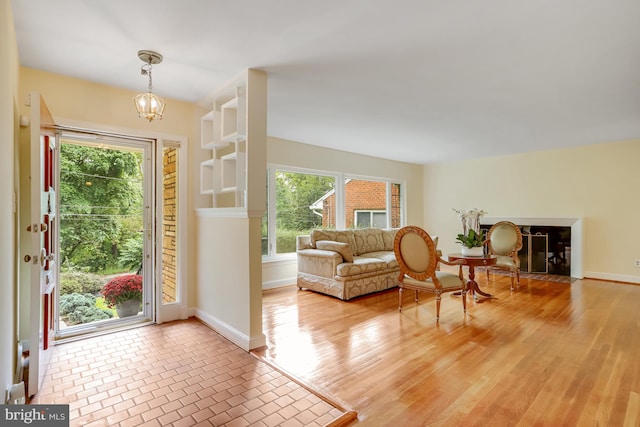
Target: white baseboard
235, 336
272, 284
612, 277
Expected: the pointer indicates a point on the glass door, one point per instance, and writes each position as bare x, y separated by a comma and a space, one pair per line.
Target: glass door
105, 232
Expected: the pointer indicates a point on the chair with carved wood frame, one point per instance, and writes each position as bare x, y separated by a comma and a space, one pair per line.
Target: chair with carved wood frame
417, 258
504, 239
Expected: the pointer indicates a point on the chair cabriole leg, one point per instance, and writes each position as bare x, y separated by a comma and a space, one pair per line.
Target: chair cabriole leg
464, 299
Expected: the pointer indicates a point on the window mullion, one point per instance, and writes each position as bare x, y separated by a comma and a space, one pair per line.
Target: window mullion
271, 223
341, 217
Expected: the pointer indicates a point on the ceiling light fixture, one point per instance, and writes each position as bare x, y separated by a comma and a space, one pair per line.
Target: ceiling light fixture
149, 105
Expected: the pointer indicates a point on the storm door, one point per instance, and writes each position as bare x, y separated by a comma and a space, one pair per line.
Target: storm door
105, 232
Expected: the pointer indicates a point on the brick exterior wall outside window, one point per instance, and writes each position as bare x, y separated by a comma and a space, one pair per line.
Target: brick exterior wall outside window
169, 225
363, 196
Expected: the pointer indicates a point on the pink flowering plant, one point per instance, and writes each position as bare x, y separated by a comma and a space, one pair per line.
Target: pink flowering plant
122, 288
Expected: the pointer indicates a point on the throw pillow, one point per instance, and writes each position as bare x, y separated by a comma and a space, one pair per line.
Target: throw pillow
342, 248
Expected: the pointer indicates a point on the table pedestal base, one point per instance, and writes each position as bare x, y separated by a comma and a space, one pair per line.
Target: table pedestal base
472, 262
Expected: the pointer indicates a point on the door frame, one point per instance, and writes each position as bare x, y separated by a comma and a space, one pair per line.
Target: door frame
180, 309
146, 146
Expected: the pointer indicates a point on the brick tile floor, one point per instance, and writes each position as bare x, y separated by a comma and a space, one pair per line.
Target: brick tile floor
180, 374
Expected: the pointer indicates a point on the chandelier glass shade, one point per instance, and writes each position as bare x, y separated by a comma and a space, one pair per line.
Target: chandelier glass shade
149, 105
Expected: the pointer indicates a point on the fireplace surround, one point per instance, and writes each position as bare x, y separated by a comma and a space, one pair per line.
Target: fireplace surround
577, 235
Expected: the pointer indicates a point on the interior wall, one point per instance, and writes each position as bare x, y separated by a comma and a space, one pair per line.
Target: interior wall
72, 100
596, 182
8, 193
230, 299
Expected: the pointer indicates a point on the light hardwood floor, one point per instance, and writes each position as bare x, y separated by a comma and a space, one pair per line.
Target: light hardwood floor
548, 354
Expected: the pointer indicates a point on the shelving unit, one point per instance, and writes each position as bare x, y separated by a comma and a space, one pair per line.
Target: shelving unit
224, 175
233, 118
207, 130
207, 171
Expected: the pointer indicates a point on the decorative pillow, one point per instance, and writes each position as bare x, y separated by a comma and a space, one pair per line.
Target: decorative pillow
342, 248
317, 235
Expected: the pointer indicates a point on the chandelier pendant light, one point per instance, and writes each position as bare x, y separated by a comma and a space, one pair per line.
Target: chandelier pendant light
149, 105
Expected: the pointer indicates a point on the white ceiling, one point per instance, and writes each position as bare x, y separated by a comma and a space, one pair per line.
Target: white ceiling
413, 80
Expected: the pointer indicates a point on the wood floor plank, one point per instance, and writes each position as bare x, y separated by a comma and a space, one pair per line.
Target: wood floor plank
547, 354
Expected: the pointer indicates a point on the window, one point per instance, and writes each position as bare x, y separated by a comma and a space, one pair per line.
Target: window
299, 207
368, 201
301, 200
169, 223
370, 219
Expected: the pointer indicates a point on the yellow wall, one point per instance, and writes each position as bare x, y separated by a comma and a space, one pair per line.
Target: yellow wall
72, 100
82, 100
229, 287
599, 183
8, 189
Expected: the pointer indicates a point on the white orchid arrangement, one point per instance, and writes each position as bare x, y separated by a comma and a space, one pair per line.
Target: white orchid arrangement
471, 236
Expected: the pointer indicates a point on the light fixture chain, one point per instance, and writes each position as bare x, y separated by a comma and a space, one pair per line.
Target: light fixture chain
150, 85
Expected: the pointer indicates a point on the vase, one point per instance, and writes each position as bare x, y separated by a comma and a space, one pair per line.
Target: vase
128, 308
475, 251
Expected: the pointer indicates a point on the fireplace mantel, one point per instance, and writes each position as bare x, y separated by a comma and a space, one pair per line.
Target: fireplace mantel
577, 234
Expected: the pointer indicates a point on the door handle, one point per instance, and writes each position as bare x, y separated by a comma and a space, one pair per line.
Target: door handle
43, 257
37, 228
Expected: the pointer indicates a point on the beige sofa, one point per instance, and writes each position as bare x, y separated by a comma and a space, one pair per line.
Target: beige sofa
347, 263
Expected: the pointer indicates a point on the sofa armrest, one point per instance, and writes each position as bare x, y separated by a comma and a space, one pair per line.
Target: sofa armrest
318, 262
303, 242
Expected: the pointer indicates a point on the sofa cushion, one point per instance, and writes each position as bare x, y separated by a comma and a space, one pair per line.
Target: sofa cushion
342, 248
360, 265
368, 240
388, 236
387, 256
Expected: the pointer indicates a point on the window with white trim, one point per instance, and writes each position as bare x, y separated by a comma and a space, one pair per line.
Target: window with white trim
301, 200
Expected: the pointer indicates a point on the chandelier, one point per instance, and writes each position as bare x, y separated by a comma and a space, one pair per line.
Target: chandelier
149, 105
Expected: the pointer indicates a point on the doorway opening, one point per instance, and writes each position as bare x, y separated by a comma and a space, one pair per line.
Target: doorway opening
105, 235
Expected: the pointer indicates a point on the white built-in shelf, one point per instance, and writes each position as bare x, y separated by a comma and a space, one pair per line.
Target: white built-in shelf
207, 130
224, 135
206, 177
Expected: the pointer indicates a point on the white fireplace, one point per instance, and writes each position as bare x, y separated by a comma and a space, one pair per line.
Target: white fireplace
577, 235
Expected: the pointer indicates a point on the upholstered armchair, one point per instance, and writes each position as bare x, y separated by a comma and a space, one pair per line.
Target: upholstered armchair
504, 240
418, 260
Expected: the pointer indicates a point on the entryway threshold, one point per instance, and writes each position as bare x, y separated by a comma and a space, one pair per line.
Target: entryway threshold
94, 331
348, 415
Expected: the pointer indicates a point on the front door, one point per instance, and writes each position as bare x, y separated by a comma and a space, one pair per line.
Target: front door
41, 256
